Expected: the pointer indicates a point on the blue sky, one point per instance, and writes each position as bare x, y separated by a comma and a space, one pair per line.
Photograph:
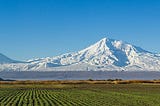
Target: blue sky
40, 28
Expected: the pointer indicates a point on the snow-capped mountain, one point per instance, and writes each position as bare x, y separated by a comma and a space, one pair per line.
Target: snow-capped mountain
105, 55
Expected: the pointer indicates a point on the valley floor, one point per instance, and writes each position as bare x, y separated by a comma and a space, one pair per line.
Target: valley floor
80, 94
79, 75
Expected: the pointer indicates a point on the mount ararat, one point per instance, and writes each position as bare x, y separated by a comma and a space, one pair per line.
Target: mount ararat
105, 55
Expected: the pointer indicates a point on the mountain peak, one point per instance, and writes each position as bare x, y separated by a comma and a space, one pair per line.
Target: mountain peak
106, 40
110, 51
119, 44
103, 40
107, 43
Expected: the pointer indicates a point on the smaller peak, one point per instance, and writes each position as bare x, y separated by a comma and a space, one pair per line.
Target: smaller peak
2, 55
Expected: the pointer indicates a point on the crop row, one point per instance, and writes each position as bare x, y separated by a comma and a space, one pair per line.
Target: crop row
37, 97
77, 97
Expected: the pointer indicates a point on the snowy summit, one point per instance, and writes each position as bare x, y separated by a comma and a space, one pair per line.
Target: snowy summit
105, 55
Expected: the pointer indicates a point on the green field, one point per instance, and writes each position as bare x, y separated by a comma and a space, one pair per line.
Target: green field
80, 95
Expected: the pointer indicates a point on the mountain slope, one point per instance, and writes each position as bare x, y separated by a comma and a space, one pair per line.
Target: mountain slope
4, 59
105, 55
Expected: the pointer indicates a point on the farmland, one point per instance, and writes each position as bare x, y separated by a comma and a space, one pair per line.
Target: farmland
82, 94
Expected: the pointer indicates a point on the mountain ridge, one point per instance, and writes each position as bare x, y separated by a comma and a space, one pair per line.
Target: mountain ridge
105, 55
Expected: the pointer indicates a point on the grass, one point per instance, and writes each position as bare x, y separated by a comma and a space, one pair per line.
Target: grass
83, 94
